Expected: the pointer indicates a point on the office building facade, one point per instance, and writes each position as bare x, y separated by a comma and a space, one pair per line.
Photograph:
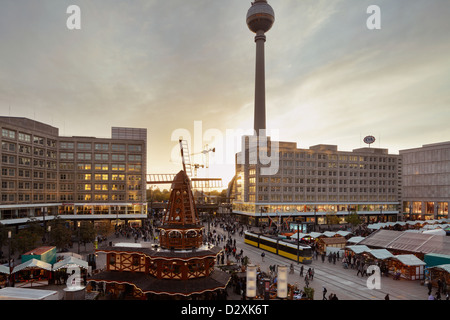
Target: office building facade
45, 174
426, 181
311, 183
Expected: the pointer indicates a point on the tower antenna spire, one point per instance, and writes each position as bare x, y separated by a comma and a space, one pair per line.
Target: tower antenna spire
260, 18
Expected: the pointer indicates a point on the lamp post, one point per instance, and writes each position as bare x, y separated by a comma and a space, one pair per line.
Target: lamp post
437, 212
315, 218
251, 281
9, 249
78, 227
282, 282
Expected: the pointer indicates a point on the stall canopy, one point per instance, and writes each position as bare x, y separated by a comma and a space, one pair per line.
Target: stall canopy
409, 260
299, 235
380, 254
4, 269
33, 263
70, 262
409, 242
355, 240
343, 233
357, 249
315, 234
444, 267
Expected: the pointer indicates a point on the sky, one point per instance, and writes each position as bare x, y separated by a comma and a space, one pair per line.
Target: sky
186, 68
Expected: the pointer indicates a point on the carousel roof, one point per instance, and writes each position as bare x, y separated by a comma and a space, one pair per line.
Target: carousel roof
158, 252
148, 284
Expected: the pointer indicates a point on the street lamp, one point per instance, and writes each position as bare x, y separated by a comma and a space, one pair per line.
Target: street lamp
78, 224
9, 247
315, 218
251, 281
282, 282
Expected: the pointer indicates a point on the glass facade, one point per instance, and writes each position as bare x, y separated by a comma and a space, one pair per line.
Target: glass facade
44, 173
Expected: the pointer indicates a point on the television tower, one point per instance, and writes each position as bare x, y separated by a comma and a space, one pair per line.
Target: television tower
260, 18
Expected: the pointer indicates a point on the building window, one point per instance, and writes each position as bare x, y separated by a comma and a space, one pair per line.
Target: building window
101, 147
66, 145
84, 146
9, 134
118, 147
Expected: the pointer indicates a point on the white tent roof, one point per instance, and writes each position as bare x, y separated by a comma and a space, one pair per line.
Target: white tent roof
4, 269
69, 262
33, 263
445, 267
329, 234
298, 235
381, 254
409, 260
343, 233
356, 239
315, 234
436, 231
358, 248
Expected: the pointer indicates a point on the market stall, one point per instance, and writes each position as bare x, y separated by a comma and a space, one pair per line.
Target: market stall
4, 274
439, 272
45, 254
335, 242
375, 256
355, 250
32, 273
407, 266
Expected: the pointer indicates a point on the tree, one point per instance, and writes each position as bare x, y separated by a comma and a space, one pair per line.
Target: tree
332, 218
27, 238
87, 232
353, 219
61, 235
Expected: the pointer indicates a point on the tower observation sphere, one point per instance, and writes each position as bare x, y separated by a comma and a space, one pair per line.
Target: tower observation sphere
260, 16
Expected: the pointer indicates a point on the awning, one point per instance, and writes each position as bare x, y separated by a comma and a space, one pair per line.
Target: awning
315, 234
380, 254
329, 234
356, 240
445, 267
358, 248
4, 269
298, 235
343, 233
409, 260
33, 263
70, 262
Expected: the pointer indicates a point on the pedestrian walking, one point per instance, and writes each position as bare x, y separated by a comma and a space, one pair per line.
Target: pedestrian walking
262, 256
306, 281
312, 274
301, 271
430, 287
324, 291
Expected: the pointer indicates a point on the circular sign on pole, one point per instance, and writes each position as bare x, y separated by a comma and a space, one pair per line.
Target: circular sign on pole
369, 140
